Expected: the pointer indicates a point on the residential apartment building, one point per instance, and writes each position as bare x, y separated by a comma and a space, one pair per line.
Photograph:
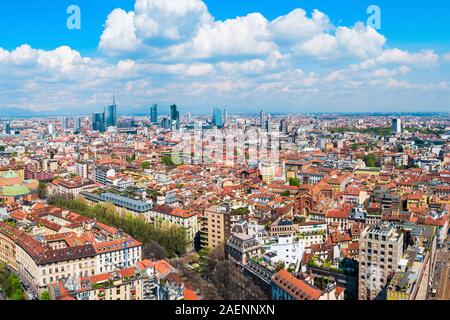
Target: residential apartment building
218, 225
117, 254
124, 284
187, 220
380, 250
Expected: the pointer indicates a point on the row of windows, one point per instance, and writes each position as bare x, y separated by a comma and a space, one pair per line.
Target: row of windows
57, 277
62, 269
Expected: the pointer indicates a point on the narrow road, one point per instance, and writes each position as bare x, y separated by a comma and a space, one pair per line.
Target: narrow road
445, 285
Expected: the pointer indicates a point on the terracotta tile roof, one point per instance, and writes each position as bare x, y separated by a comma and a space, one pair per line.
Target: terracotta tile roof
296, 288
115, 245
190, 295
338, 213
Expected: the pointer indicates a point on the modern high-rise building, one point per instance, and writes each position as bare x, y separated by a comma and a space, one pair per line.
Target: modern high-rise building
217, 120
225, 117
174, 116
262, 119
165, 123
283, 126
154, 113
174, 113
396, 125
380, 250
111, 114
8, 127
78, 124
98, 122
65, 122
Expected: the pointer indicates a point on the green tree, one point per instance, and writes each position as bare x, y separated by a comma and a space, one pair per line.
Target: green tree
370, 160
170, 236
145, 165
44, 295
294, 182
286, 193
42, 190
167, 160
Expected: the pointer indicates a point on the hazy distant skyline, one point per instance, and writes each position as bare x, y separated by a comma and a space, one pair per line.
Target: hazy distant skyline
292, 56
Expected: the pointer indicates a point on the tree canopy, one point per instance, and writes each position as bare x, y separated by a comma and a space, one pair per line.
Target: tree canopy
170, 236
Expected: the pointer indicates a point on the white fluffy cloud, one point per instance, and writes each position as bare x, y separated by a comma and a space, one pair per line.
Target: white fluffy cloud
297, 26
153, 23
120, 33
247, 35
357, 42
446, 57
174, 20
184, 29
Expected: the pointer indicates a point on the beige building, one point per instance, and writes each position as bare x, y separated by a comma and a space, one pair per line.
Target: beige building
380, 250
217, 225
40, 265
7, 244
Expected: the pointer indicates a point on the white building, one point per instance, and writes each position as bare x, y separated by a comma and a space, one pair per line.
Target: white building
284, 249
82, 170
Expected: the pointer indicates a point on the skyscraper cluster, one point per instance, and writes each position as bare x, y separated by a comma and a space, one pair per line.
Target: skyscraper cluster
101, 121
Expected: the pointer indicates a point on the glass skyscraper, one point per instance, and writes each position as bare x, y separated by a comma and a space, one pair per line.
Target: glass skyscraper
111, 114
174, 116
8, 128
174, 113
98, 122
154, 113
217, 120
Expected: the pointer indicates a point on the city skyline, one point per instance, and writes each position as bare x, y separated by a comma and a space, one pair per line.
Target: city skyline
295, 57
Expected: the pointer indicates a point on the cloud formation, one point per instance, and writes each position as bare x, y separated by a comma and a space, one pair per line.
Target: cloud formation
175, 51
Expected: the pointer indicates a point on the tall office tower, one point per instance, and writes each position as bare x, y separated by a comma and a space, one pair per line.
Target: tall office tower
65, 123
154, 113
262, 119
225, 117
174, 113
111, 114
50, 129
217, 118
189, 117
396, 125
268, 123
98, 122
380, 250
174, 116
283, 126
165, 123
78, 124
8, 127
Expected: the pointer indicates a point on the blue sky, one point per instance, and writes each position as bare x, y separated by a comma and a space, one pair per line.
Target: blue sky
296, 63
